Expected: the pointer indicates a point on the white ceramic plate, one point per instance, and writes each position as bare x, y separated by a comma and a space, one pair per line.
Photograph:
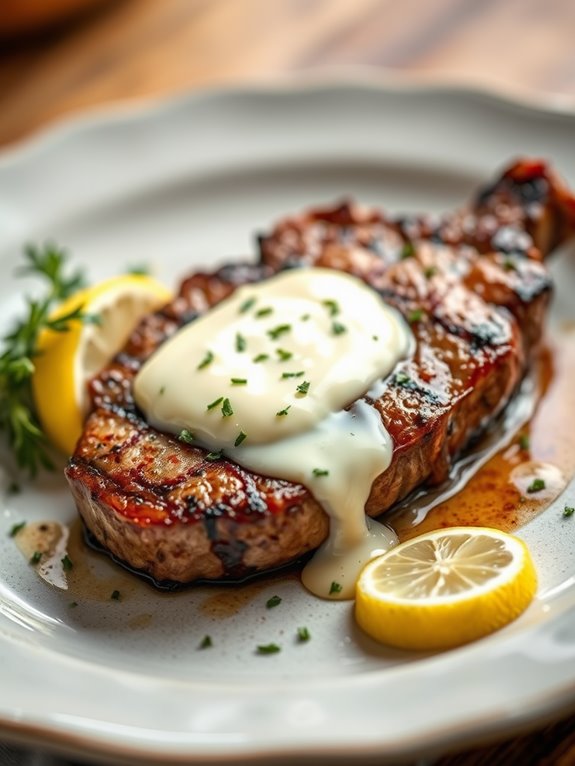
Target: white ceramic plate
187, 183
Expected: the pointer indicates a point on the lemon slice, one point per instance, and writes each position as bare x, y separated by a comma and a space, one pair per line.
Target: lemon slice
445, 588
68, 360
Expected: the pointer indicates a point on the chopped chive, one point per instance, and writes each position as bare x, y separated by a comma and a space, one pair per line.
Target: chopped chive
35, 557
332, 306
286, 375
215, 403
265, 312
206, 642
240, 438
320, 472
247, 305
303, 388
536, 486
284, 412
239, 381
138, 270
67, 563
303, 635
186, 436
524, 442
213, 456
335, 587
375, 337
568, 511
115, 595
162, 391
240, 342
208, 359
261, 358
415, 316
402, 379
268, 649
430, 271
283, 355
281, 329
304, 317
227, 409
338, 328
407, 251
273, 601
16, 528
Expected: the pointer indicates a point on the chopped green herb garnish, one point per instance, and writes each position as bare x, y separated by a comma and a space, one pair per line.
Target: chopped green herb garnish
283, 355
509, 265
240, 438
402, 379
304, 317
208, 359
16, 528
338, 328
186, 436
239, 381
212, 456
286, 375
206, 643
320, 472
536, 486
284, 412
303, 388
138, 270
268, 649
332, 307
430, 271
35, 557
67, 563
215, 403
335, 587
407, 251
524, 442
162, 390
265, 312
115, 595
227, 409
240, 342
247, 305
261, 358
568, 511
415, 316
273, 601
375, 337
281, 329
303, 635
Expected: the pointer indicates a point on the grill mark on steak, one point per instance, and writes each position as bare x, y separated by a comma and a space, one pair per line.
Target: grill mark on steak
476, 289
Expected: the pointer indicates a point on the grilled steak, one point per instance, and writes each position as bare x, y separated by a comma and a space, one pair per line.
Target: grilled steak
473, 287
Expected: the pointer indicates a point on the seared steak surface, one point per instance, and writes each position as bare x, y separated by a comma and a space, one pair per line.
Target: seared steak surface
473, 287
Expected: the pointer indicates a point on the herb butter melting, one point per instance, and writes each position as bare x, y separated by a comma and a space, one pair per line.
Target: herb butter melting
290, 427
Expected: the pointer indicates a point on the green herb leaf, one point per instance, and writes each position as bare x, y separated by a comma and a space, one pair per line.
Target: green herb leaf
138, 270
208, 359
115, 595
265, 312
215, 403
35, 557
407, 251
303, 635
568, 511
402, 379
213, 456
227, 409
268, 649
240, 342
186, 436
67, 563
247, 305
239, 381
281, 329
415, 316
287, 375
303, 388
335, 587
273, 601
206, 642
283, 355
320, 472
261, 358
240, 438
536, 486
430, 271
284, 412
337, 328
16, 528
524, 442
332, 307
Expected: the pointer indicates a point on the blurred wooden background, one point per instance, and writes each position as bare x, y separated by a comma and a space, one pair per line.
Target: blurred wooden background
129, 49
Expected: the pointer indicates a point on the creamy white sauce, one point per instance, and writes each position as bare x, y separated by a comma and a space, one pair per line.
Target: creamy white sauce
265, 377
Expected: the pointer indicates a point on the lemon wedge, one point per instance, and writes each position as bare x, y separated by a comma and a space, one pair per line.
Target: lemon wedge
68, 360
445, 588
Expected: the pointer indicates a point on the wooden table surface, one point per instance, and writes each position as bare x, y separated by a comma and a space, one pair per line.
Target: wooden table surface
130, 49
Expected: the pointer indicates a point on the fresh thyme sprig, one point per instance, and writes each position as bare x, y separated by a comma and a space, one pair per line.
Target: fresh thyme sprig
18, 418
